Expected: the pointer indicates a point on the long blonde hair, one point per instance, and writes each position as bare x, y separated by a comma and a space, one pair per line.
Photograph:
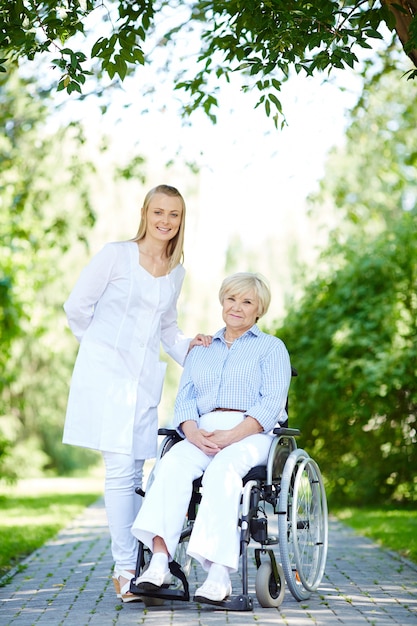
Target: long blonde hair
175, 247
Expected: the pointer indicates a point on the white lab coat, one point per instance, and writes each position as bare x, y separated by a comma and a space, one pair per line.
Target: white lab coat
120, 313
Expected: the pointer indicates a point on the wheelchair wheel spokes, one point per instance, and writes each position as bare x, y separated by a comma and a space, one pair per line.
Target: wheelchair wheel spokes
309, 517
288, 525
181, 556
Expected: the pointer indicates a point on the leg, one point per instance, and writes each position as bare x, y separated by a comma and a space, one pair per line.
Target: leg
214, 541
123, 475
161, 517
165, 505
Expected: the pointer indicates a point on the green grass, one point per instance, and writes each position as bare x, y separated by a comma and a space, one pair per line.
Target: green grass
394, 529
34, 511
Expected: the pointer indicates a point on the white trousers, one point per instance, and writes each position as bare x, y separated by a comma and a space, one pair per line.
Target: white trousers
123, 474
215, 537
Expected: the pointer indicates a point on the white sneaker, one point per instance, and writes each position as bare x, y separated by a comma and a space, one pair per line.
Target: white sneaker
213, 591
153, 577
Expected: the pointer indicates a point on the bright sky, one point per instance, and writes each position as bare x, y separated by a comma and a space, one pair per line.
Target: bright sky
253, 179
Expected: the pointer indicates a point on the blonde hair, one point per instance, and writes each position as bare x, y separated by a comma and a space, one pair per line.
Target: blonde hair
243, 282
175, 247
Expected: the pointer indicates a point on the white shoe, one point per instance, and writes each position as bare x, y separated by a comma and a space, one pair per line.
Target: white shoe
213, 591
153, 577
123, 591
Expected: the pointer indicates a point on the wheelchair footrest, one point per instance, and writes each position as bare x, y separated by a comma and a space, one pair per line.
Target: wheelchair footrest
166, 593
163, 593
234, 603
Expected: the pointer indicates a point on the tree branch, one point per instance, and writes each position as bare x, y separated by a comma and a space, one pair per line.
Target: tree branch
403, 19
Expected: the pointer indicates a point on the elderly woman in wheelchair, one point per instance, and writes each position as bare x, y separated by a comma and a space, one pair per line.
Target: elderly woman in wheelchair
231, 396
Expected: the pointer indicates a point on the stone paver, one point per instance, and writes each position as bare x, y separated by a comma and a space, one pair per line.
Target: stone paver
68, 582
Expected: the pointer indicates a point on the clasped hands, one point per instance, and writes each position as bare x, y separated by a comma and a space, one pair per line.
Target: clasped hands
210, 442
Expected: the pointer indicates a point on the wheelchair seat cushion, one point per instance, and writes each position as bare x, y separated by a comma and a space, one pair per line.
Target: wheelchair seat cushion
256, 473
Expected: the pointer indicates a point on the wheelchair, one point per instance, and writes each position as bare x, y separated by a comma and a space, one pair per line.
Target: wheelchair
283, 509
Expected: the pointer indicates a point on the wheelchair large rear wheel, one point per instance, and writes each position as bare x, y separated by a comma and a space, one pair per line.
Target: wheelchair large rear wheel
302, 524
310, 542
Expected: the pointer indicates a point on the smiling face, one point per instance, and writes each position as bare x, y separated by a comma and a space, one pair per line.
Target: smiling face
240, 312
164, 215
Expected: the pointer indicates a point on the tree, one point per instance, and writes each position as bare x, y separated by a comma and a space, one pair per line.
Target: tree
353, 334
353, 340
45, 209
263, 41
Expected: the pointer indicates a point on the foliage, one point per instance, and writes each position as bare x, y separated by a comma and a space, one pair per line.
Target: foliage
6, 472
262, 41
353, 335
353, 340
45, 208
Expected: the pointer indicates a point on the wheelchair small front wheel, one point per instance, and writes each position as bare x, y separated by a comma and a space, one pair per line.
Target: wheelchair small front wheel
269, 591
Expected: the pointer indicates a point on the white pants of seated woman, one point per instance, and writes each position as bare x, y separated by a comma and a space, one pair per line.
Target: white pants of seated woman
215, 537
123, 474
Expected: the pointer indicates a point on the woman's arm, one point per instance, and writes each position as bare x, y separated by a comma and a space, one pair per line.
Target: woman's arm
89, 288
276, 377
174, 342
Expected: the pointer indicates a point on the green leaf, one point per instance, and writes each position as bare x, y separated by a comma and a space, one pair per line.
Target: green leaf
121, 66
100, 45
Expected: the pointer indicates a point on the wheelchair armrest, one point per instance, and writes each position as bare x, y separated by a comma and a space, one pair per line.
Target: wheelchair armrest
167, 432
287, 432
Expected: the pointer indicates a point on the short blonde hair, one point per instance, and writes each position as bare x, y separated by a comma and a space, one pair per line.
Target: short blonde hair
244, 282
175, 249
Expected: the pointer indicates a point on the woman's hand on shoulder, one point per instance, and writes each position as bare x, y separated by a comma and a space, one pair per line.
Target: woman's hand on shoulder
200, 340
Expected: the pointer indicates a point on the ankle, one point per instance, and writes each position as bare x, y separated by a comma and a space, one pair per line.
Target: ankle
159, 560
219, 574
121, 571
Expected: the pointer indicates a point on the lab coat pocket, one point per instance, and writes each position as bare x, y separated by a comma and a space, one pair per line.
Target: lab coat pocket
156, 383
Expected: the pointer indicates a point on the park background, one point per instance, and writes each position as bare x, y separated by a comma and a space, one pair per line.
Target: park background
325, 207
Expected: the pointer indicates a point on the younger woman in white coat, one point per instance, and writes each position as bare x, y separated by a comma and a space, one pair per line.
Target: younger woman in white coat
120, 310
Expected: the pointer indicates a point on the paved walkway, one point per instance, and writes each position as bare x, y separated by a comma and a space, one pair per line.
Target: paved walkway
68, 582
